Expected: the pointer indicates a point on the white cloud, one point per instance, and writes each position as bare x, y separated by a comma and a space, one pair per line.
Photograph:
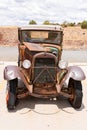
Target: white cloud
20, 12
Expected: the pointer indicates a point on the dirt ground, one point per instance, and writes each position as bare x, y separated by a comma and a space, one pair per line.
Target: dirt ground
36, 114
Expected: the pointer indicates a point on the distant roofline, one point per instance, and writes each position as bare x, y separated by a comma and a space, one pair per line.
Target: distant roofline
42, 27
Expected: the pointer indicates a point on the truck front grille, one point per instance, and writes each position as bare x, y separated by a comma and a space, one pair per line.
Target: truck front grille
44, 70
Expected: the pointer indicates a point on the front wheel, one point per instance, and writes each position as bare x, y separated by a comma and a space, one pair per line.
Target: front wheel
76, 92
11, 97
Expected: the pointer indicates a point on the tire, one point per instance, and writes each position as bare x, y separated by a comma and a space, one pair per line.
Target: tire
11, 97
76, 92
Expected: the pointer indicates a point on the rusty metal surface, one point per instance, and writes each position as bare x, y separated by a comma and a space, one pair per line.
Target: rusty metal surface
34, 47
39, 47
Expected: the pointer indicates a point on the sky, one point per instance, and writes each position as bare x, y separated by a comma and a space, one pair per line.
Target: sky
20, 12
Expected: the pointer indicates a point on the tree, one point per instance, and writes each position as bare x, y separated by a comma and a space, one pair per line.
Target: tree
79, 24
46, 22
32, 22
64, 24
71, 24
84, 24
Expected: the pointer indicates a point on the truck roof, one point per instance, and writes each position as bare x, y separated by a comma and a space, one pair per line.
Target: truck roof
42, 27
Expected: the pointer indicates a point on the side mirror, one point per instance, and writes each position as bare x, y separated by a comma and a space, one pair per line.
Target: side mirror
63, 64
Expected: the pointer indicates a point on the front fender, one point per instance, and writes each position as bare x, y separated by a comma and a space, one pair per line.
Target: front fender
75, 73
11, 72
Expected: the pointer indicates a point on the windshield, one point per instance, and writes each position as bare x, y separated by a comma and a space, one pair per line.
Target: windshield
42, 36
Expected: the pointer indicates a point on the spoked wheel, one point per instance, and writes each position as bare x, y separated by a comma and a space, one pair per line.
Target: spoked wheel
75, 88
11, 98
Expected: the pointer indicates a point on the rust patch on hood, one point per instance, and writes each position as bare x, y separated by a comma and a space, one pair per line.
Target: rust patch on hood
34, 47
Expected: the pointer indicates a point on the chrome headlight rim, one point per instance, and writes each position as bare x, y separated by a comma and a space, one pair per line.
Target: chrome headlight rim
26, 64
63, 64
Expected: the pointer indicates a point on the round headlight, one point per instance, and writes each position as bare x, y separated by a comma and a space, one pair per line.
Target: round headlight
26, 64
63, 64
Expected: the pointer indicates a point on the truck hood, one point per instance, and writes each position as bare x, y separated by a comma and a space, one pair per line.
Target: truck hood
34, 46
41, 47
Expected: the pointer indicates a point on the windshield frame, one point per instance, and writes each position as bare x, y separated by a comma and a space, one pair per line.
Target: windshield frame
44, 41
